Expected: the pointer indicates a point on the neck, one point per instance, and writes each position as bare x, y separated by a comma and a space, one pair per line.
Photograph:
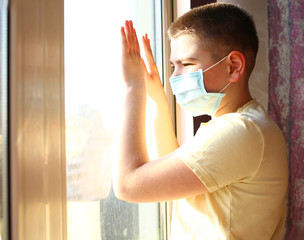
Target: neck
233, 100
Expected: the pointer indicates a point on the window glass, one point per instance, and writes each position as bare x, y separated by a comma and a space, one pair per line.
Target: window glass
3, 119
93, 104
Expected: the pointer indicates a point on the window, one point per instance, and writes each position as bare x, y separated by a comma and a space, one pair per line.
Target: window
93, 104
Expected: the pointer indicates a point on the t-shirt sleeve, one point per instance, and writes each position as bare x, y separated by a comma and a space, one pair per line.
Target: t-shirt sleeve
224, 152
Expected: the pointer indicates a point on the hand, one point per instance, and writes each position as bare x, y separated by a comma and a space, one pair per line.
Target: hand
132, 68
153, 81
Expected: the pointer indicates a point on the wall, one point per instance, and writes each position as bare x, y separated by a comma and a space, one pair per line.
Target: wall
258, 82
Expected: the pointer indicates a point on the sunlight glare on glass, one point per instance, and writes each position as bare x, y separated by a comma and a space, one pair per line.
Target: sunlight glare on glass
94, 92
92, 55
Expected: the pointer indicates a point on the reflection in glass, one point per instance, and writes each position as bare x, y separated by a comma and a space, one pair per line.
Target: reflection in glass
93, 91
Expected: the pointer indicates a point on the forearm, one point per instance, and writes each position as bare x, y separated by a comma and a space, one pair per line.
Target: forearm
133, 151
165, 137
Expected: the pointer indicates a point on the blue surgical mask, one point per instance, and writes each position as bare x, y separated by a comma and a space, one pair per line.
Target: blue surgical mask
191, 94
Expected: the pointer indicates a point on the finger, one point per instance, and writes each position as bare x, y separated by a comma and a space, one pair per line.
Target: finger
129, 35
132, 37
137, 48
148, 54
124, 42
146, 43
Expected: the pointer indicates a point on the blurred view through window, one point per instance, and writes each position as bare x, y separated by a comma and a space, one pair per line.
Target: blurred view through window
93, 91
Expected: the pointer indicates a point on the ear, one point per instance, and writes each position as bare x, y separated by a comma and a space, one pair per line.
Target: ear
237, 63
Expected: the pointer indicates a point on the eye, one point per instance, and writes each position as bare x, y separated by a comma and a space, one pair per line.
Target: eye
187, 64
172, 67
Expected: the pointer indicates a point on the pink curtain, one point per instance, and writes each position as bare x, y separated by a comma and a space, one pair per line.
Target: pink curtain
286, 97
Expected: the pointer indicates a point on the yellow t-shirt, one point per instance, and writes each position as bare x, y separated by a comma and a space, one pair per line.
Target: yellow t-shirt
241, 158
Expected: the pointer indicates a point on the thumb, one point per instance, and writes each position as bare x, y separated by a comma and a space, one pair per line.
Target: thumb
145, 67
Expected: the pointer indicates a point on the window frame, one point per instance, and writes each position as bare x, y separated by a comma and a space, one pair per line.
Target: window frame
36, 118
4, 118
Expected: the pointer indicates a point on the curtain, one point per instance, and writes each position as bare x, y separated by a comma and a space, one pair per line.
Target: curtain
286, 97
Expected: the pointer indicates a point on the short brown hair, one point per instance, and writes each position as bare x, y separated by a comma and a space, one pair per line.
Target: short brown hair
222, 28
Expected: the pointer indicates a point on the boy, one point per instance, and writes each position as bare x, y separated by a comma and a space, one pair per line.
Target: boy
230, 181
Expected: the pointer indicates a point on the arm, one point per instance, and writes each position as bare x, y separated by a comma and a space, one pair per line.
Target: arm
162, 123
137, 179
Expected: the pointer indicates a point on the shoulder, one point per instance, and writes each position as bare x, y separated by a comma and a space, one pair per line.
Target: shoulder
245, 129
234, 125
252, 117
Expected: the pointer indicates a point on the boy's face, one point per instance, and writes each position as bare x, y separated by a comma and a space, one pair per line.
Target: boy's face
188, 55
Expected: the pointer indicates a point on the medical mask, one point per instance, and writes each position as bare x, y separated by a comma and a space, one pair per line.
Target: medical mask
191, 94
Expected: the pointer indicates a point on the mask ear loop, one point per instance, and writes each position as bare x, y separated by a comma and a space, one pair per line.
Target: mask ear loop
225, 87
215, 64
